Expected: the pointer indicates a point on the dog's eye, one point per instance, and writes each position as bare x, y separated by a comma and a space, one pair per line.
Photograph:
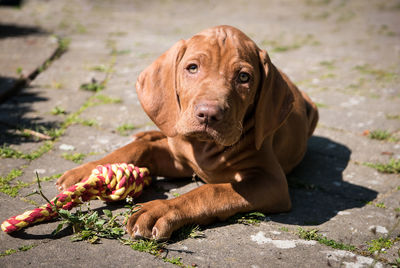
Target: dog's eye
192, 68
243, 77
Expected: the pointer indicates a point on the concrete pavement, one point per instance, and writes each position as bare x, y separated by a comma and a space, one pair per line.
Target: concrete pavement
344, 54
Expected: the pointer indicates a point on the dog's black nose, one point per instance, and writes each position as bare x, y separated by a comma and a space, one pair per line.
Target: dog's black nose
208, 113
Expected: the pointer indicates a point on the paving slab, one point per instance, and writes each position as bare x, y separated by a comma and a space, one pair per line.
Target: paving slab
345, 55
22, 55
82, 255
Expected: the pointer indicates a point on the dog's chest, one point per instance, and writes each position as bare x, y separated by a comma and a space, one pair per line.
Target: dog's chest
215, 165
211, 162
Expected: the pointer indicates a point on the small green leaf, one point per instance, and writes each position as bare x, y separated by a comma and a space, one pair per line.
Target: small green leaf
93, 217
76, 238
64, 213
117, 231
108, 213
58, 229
256, 214
100, 223
94, 239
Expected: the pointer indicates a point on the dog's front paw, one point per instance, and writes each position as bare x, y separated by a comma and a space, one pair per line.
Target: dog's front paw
155, 220
74, 176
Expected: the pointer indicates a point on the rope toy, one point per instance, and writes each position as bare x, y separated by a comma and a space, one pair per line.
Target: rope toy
108, 182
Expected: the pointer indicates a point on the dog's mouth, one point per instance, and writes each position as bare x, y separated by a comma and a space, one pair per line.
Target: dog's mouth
203, 135
207, 134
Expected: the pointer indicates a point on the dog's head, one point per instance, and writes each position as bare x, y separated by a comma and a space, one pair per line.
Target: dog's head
206, 86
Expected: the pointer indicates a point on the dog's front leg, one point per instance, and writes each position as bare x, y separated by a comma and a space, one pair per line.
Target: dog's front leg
159, 218
153, 153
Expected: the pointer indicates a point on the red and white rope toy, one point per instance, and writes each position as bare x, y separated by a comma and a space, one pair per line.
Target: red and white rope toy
109, 183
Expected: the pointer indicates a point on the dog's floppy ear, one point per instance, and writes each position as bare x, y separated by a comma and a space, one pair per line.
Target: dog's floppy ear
156, 89
275, 101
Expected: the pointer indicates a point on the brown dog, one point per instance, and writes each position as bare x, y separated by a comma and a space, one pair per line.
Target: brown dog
227, 114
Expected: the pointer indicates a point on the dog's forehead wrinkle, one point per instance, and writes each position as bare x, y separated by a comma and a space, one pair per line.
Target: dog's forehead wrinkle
221, 58
223, 40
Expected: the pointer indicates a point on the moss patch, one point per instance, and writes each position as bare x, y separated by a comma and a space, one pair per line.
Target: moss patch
393, 166
12, 251
5, 183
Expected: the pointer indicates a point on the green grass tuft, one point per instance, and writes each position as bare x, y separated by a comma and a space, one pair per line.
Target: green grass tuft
107, 100
54, 133
12, 251
378, 74
26, 247
8, 152
392, 116
379, 245
321, 105
314, 235
393, 167
149, 246
58, 110
7, 188
8, 252
251, 218
279, 45
123, 129
380, 205
188, 231
76, 157
88, 122
47, 146
379, 135
93, 86
284, 229
63, 44
99, 68
177, 261
328, 64
50, 178
19, 71
57, 85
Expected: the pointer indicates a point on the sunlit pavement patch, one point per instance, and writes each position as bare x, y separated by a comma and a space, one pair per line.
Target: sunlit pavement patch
260, 239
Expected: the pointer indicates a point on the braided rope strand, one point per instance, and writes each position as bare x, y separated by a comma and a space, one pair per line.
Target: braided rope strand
110, 182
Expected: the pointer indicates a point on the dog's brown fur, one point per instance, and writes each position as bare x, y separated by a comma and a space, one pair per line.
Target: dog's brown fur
240, 137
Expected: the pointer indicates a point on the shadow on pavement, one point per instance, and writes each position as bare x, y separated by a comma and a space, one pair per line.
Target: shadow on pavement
12, 30
25, 233
11, 2
317, 187
13, 117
